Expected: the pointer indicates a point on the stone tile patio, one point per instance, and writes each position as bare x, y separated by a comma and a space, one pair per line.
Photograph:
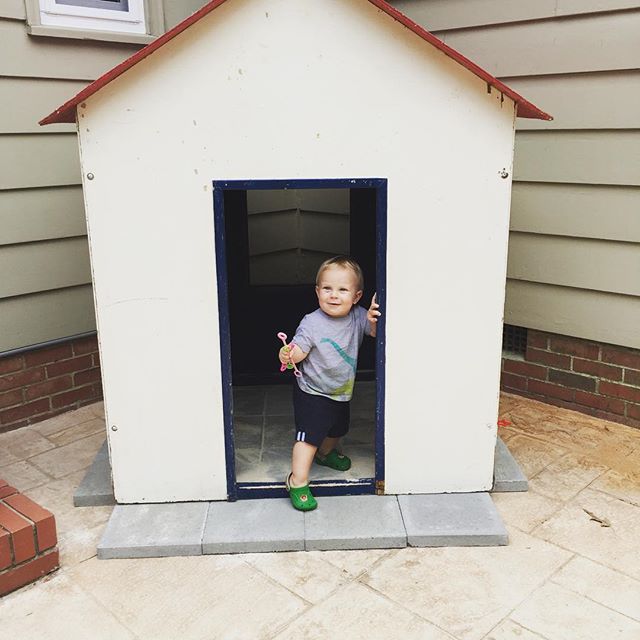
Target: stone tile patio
563, 576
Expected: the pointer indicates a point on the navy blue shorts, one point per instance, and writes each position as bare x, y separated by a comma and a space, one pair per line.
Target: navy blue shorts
318, 417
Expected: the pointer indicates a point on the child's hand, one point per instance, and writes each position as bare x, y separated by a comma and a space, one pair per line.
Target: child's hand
285, 355
373, 314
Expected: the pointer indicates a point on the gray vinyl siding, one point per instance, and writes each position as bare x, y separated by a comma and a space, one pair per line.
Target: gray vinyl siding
12, 9
574, 251
45, 291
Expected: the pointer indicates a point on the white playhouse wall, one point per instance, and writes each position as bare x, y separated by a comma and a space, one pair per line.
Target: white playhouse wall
286, 89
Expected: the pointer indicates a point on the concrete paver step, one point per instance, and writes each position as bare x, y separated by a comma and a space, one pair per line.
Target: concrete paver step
340, 522
452, 520
507, 474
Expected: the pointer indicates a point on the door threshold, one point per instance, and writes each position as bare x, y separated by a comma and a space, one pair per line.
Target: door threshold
254, 490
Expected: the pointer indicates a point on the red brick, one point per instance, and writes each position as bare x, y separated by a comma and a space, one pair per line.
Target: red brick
11, 364
619, 391
572, 380
48, 355
10, 398
90, 375
632, 377
537, 339
48, 387
22, 378
24, 411
17, 577
5, 549
575, 347
525, 369
21, 530
509, 381
633, 410
7, 490
619, 355
551, 390
85, 345
71, 397
612, 405
69, 366
597, 369
96, 359
42, 519
556, 360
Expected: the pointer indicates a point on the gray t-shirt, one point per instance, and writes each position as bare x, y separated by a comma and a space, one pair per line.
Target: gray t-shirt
332, 344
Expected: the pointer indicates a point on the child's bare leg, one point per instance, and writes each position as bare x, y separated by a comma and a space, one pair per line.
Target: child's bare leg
327, 445
301, 460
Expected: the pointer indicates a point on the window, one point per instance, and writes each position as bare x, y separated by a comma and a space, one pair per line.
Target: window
119, 20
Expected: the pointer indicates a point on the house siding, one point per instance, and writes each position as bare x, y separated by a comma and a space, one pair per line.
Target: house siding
42, 221
575, 231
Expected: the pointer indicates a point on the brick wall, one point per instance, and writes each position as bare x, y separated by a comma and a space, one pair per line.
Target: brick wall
594, 378
38, 384
27, 540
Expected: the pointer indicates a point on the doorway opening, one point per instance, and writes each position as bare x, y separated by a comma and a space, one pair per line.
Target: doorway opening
271, 237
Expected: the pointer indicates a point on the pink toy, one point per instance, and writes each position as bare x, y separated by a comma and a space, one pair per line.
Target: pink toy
288, 347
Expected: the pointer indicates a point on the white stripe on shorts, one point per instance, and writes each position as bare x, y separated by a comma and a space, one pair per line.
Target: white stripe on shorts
300, 436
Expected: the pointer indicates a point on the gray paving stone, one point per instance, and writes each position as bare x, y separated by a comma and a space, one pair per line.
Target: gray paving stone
95, 490
250, 526
154, 530
507, 474
355, 522
452, 520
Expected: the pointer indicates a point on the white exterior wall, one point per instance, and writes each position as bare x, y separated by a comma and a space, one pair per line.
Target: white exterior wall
264, 89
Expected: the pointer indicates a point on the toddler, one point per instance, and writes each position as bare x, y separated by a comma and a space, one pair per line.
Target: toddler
326, 344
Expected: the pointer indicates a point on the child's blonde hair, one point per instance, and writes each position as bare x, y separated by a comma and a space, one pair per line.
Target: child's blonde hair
346, 263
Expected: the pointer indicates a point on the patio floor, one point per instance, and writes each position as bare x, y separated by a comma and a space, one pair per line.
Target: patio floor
264, 431
563, 576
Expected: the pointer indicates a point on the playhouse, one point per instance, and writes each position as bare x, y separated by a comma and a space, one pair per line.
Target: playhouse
221, 164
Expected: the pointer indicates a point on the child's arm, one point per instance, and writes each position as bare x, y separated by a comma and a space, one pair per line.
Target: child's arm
294, 355
372, 316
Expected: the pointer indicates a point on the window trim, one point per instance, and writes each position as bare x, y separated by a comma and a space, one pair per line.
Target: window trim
151, 12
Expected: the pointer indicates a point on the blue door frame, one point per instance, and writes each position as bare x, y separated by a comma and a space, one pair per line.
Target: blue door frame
242, 490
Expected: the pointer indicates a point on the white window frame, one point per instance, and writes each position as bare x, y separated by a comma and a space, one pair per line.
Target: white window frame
79, 16
140, 23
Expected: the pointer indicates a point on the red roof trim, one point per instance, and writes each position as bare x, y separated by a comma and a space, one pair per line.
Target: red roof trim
67, 112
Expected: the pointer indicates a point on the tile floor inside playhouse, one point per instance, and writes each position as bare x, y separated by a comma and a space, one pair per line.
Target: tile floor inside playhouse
264, 434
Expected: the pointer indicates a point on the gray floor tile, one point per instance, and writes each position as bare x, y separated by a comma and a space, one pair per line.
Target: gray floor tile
452, 519
249, 526
279, 401
278, 431
154, 530
507, 474
247, 432
355, 522
248, 401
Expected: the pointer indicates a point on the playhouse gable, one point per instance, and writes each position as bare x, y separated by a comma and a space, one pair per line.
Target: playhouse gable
66, 112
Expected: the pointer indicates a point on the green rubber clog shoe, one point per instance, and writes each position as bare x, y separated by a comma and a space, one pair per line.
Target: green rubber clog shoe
334, 460
301, 497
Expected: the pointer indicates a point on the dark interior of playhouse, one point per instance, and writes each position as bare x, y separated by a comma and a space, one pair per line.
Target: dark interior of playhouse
275, 240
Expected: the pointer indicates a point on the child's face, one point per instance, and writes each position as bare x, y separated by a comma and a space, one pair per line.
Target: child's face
337, 291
